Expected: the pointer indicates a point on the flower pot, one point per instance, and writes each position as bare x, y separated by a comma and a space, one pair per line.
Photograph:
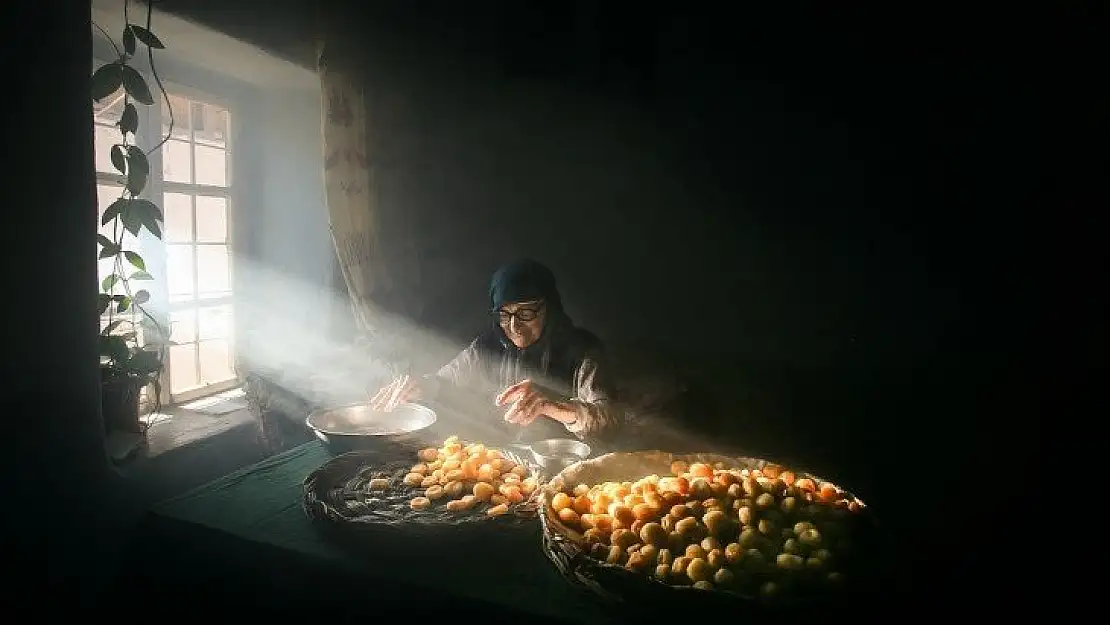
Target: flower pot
119, 398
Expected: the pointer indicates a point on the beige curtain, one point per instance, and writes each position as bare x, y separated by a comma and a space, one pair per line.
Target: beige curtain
349, 183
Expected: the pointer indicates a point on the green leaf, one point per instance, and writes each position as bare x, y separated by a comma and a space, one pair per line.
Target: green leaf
108, 282
135, 84
129, 121
147, 37
108, 251
123, 304
128, 40
149, 215
140, 275
148, 208
102, 300
112, 326
118, 159
130, 218
138, 170
105, 81
135, 260
104, 241
142, 296
113, 210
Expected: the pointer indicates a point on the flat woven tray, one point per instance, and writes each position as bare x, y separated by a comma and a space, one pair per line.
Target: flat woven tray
629, 591
337, 496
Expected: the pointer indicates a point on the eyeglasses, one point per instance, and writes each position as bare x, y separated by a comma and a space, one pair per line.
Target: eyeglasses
523, 315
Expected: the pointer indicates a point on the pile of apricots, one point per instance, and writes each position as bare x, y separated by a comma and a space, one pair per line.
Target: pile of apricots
463, 477
763, 532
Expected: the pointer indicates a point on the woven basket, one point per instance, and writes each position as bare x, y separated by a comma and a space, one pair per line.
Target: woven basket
634, 592
336, 498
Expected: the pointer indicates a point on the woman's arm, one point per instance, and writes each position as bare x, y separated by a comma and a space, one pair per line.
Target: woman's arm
593, 411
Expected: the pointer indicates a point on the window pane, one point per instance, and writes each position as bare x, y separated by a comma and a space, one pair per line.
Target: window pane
211, 219
183, 368
104, 137
213, 271
178, 211
210, 123
214, 322
179, 272
181, 126
211, 166
105, 195
176, 166
183, 326
110, 109
215, 361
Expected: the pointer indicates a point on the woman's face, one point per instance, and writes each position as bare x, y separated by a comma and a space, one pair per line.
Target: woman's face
522, 322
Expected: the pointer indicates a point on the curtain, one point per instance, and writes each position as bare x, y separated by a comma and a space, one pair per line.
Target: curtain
349, 183
389, 343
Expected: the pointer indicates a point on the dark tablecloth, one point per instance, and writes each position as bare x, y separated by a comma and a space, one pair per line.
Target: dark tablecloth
243, 543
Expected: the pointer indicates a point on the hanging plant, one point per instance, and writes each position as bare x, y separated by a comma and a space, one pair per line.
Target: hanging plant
133, 344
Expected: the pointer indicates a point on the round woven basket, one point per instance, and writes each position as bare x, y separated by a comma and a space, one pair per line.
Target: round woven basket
634, 592
337, 498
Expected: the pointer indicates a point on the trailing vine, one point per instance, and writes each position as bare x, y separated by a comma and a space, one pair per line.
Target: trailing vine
134, 343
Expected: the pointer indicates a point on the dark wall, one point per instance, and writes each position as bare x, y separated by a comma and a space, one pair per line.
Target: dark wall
787, 200
795, 186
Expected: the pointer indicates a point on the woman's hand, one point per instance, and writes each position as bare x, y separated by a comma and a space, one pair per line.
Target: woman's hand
399, 391
530, 401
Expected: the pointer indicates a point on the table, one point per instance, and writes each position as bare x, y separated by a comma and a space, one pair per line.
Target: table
247, 533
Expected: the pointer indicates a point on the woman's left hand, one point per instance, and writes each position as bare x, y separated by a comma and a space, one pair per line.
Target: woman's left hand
528, 401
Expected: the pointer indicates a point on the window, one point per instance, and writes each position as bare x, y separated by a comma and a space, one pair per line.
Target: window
191, 175
196, 180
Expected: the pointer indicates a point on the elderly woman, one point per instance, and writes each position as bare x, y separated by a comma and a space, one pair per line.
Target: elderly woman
537, 365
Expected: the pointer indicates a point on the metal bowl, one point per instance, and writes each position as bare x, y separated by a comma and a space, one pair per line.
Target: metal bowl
556, 454
358, 426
